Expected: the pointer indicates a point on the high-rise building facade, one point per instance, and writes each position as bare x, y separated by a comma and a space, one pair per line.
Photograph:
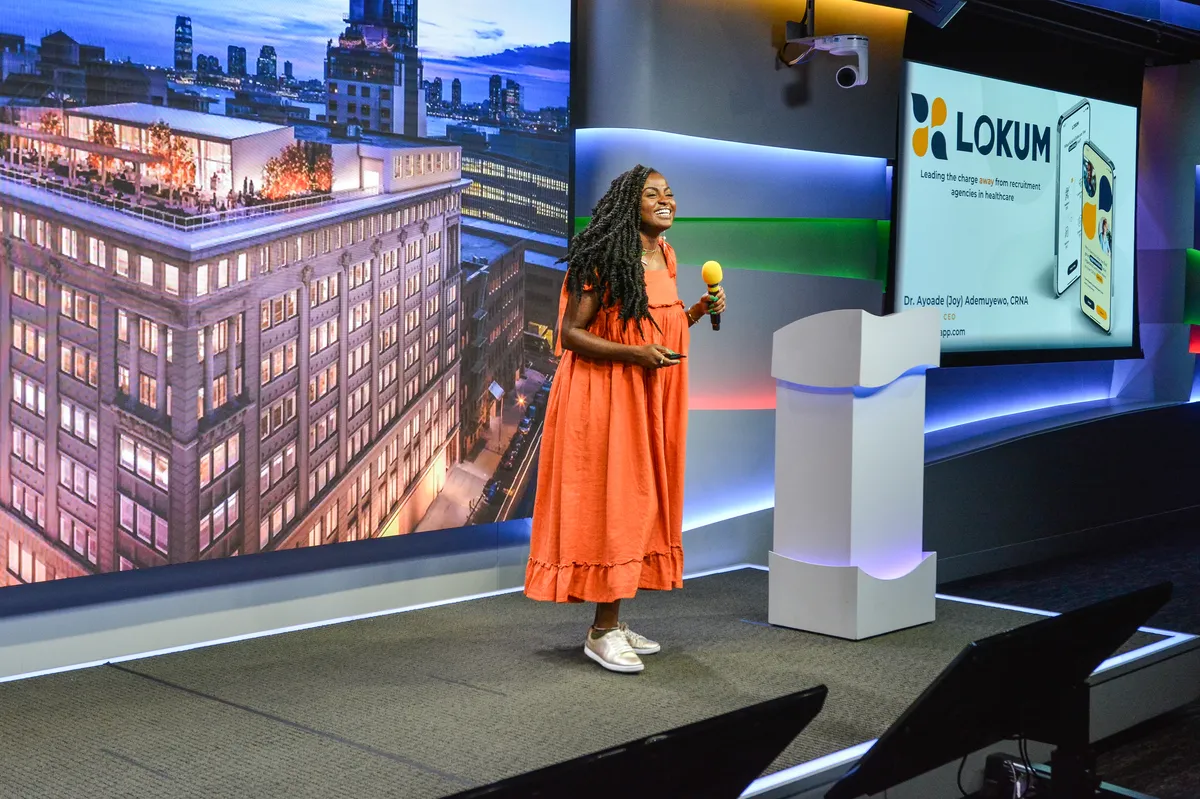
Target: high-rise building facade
268, 65
494, 316
183, 44
259, 383
287, 70
435, 92
373, 73
456, 94
496, 96
237, 61
512, 100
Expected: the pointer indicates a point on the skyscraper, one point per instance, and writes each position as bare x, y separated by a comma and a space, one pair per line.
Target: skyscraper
287, 70
373, 73
435, 92
456, 94
268, 67
512, 100
183, 44
237, 61
496, 96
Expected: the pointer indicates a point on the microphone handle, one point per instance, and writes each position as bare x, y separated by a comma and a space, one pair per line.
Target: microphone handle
715, 317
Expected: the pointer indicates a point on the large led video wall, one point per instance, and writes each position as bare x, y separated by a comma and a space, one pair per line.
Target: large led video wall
273, 276
1015, 215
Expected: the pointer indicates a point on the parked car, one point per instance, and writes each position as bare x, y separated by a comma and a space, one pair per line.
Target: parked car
526, 426
510, 460
491, 490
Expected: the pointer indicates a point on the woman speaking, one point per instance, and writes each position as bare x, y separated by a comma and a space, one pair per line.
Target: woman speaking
608, 515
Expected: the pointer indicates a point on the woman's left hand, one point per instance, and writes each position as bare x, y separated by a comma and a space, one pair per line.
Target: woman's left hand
709, 305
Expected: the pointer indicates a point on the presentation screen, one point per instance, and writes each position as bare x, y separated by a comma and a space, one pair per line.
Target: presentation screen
1015, 214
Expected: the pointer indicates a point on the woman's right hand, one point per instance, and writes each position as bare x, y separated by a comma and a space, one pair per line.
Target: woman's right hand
653, 356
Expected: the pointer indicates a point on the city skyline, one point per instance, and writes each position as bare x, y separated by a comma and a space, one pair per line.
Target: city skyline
467, 39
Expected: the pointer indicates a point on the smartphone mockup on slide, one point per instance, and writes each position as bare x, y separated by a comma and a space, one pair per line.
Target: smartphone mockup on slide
1074, 128
1096, 251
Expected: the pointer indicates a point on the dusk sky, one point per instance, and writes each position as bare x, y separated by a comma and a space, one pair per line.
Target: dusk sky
467, 39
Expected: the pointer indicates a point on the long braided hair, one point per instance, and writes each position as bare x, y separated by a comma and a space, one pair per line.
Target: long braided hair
607, 255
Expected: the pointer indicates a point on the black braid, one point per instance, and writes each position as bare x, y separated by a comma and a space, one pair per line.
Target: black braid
607, 254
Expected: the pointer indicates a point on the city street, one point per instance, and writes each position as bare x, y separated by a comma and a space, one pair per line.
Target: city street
465, 483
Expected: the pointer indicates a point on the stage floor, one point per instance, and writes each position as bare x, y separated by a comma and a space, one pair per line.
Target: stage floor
427, 702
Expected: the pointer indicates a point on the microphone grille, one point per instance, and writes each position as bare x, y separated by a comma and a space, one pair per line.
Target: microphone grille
711, 272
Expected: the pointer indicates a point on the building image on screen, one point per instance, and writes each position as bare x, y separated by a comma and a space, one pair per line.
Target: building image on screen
995, 226
275, 276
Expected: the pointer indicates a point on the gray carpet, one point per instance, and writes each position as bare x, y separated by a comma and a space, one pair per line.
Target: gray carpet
425, 703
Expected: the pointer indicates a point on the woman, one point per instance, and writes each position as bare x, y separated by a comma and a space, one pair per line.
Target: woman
608, 517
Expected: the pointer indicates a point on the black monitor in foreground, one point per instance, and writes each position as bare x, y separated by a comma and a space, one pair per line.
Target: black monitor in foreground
1028, 683
716, 758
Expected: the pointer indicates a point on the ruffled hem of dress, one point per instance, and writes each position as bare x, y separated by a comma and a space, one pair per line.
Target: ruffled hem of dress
603, 582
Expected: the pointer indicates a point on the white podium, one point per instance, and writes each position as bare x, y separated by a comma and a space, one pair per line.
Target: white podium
847, 558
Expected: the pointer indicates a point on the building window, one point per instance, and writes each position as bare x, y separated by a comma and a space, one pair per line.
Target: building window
323, 336
217, 522
201, 280
22, 563
360, 274
171, 279
359, 399
147, 463
121, 262
148, 391
84, 308
274, 522
146, 270
28, 448
79, 363
95, 252
323, 290
148, 336
388, 337
278, 310
19, 226
412, 355
220, 458
360, 357
69, 243
278, 362
324, 474
389, 374
276, 468
360, 315
143, 523
325, 381
78, 421
29, 394
75, 535
77, 478
29, 285
278, 414
322, 430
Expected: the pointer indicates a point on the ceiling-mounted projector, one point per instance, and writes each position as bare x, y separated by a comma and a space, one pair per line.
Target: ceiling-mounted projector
935, 12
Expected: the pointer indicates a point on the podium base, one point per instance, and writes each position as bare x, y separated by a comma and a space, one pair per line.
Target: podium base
845, 601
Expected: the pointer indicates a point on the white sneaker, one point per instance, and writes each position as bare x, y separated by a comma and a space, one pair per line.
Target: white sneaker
613, 652
639, 643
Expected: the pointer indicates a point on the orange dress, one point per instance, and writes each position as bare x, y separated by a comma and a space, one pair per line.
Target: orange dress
608, 515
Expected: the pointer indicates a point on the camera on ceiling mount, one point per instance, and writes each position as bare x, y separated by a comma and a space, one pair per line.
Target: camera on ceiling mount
801, 45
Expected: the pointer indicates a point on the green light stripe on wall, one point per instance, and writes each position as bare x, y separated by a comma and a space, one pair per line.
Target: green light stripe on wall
1191, 291
853, 248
